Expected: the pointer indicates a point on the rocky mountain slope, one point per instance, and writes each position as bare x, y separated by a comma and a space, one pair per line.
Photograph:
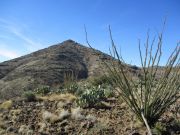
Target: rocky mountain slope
48, 67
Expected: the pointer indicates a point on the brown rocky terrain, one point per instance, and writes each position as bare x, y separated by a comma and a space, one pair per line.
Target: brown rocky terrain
59, 115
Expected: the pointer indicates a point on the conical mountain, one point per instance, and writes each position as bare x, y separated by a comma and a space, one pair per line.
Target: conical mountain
48, 66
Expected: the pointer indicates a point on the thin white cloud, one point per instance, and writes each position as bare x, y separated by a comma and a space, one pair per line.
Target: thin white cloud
19, 31
8, 53
31, 45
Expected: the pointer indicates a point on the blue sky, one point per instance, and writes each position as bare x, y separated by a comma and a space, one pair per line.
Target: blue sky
30, 25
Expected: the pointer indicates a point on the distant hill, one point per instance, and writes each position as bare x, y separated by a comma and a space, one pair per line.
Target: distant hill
48, 67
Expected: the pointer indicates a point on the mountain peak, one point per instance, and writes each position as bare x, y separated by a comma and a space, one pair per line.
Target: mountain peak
48, 66
69, 41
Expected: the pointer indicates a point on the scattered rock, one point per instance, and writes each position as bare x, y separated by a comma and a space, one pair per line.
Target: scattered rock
11, 129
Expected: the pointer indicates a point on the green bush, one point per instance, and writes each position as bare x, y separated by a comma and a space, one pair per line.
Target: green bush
159, 129
101, 80
44, 90
71, 87
91, 97
29, 96
79, 91
109, 92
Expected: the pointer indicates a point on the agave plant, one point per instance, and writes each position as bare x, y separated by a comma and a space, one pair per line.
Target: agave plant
151, 94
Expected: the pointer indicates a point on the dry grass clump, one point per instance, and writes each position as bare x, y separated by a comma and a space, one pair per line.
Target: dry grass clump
76, 113
53, 118
49, 117
59, 97
14, 114
64, 114
6, 105
91, 118
25, 130
2, 125
42, 127
61, 104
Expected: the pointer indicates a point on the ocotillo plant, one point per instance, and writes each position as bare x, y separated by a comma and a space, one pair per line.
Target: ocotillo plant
151, 94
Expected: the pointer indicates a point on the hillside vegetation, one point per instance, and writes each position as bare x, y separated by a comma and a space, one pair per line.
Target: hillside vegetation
69, 89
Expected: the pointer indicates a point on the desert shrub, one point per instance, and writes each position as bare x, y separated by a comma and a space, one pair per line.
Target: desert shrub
91, 97
29, 96
168, 128
109, 91
44, 90
76, 113
174, 126
150, 95
49, 117
101, 80
70, 84
159, 129
71, 88
70, 77
79, 91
